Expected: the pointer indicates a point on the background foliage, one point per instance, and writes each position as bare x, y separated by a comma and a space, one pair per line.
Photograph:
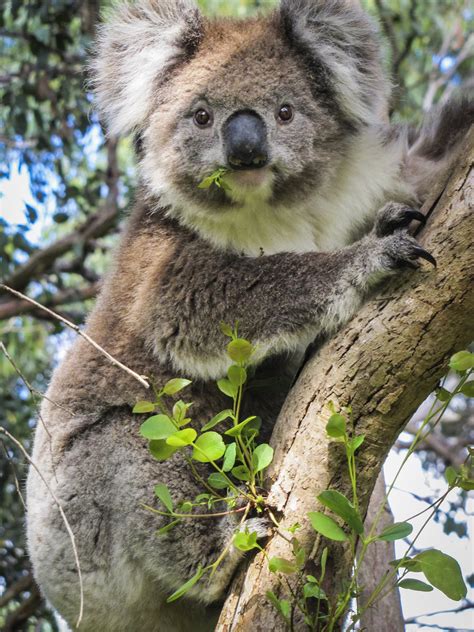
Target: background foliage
55, 249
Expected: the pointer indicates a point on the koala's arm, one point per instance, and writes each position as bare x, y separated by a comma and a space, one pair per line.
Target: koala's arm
281, 301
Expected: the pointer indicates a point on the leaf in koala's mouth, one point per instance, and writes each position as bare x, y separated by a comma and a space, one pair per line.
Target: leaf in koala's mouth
217, 178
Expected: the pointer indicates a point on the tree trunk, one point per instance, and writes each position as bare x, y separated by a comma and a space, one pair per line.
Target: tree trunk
383, 364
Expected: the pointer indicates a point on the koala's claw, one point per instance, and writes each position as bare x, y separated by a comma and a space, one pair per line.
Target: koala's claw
424, 254
394, 216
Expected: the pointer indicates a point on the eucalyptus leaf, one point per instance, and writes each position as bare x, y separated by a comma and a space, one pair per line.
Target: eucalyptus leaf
163, 493
395, 531
182, 438
182, 590
262, 457
143, 407
208, 447
229, 457
342, 507
443, 572
336, 426
326, 526
222, 416
157, 427
175, 385
161, 450
414, 584
239, 350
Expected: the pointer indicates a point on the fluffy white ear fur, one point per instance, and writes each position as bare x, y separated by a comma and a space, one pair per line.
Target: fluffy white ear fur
137, 43
345, 39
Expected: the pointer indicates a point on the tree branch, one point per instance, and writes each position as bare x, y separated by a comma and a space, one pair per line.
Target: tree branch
383, 364
95, 226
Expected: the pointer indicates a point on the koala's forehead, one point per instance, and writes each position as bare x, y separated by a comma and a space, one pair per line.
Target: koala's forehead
239, 63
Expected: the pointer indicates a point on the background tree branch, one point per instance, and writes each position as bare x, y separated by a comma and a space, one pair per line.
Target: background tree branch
383, 364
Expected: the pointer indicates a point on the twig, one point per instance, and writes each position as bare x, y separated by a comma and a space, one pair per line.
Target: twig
467, 605
63, 516
140, 378
17, 482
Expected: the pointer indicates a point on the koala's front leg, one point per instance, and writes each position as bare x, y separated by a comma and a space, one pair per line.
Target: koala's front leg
281, 301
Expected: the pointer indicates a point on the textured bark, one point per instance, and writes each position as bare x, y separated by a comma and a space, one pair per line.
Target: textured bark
383, 364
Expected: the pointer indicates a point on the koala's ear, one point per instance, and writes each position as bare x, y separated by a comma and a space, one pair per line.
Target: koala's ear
137, 45
341, 37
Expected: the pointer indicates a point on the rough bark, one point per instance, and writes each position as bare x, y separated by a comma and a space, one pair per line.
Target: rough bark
383, 364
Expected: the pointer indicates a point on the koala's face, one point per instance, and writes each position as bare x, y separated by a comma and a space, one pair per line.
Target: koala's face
275, 101
249, 103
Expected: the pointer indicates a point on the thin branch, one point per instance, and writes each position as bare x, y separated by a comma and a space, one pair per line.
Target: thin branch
23, 583
70, 295
466, 605
63, 516
95, 226
140, 378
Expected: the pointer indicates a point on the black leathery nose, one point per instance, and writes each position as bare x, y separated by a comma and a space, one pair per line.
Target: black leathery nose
245, 140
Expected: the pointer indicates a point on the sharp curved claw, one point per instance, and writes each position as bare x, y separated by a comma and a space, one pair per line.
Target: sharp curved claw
424, 254
413, 214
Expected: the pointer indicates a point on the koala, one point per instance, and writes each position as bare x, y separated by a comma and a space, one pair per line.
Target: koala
321, 191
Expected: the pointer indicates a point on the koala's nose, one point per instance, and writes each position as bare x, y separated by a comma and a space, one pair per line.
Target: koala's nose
245, 141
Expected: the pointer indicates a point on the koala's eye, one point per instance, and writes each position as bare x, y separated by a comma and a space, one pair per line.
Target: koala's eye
285, 114
202, 118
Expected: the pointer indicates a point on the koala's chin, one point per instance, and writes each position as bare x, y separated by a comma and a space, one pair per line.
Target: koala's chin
250, 186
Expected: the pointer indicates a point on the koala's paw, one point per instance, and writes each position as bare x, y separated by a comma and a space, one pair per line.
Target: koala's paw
399, 251
394, 216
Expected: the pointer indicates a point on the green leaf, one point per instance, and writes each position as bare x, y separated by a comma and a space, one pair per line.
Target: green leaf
180, 409
245, 541
182, 590
227, 388
226, 330
462, 361
443, 572
241, 473
163, 493
157, 427
229, 458
262, 457
283, 606
168, 527
450, 475
355, 443
342, 507
237, 375
409, 563
217, 481
161, 450
326, 526
395, 531
236, 431
208, 447
336, 426
182, 438
239, 350
442, 394
280, 565
224, 414
175, 385
414, 584
468, 389
323, 561
143, 407
313, 590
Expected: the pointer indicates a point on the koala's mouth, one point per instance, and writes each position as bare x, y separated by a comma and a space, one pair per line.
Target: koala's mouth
249, 178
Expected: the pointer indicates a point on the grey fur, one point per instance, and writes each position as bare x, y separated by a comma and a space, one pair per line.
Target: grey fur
277, 255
